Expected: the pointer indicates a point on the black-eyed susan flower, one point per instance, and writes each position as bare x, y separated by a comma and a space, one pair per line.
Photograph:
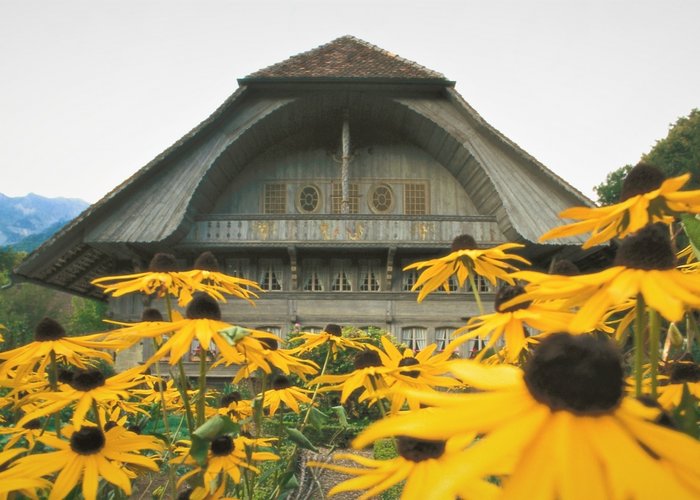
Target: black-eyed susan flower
369, 375
562, 426
90, 454
23, 482
29, 431
680, 374
233, 405
50, 341
431, 468
512, 324
86, 388
465, 259
331, 335
421, 370
645, 265
646, 198
226, 458
282, 391
207, 277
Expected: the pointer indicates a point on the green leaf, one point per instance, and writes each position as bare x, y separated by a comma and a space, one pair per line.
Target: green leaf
691, 225
205, 433
342, 416
298, 438
234, 334
687, 414
317, 418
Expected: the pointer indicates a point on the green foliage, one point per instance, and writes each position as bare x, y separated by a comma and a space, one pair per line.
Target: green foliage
87, 316
609, 191
677, 153
385, 449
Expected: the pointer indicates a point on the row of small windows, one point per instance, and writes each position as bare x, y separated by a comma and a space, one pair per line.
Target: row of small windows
338, 275
381, 198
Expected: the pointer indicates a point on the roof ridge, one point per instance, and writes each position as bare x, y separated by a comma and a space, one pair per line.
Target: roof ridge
323, 61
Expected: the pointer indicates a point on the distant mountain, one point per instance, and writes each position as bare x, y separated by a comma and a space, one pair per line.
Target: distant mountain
32, 215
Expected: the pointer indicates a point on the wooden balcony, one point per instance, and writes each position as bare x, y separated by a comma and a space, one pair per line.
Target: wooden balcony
328, 230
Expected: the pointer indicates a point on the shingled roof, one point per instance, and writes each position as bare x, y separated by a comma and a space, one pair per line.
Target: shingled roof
349, 58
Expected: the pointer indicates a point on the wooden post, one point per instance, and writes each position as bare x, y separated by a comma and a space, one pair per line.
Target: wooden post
345, 166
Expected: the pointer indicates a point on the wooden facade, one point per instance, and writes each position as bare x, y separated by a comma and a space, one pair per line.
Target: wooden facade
321, 177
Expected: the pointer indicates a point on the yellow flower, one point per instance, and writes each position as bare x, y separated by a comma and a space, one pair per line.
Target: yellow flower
680, 374
465, 258
645, 265
226, 457
511, 324
431, 469
84, 389
50, 337
12, 480
30, 431
233, 405
332, 335
562, 427
283, 391
648, 199
369, 374
90, 455
162, 279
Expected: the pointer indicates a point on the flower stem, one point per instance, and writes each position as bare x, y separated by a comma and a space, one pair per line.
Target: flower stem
53, 382
185, 397
315, 393
475, 290
654, 334
201, 400
639, 345
96, 411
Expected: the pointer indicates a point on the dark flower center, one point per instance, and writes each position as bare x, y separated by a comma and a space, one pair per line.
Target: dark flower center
111, 424
163, 263
151, 314
506, 293
207, 262
409, 362
202, 306
65, 376
87, 441
417, 450
565, 267
87, 380
48, 329
33, 424
464, 242
281, 382
684, 372
334, 330
643, 178
582, 374
368, 358
221, 446
185, 494
650, 248
232, 397
270, 344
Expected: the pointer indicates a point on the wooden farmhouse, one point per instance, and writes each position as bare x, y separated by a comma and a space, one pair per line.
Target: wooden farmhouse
321, 177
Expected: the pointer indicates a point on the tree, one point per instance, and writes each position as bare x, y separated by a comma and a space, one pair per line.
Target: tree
677, 153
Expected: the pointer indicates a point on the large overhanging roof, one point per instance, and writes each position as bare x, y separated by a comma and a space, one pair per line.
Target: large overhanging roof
153, 210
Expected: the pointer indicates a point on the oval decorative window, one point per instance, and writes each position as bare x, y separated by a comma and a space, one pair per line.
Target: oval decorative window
382, 198
309, 199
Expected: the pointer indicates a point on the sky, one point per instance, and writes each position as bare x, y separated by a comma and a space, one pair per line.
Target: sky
92, 90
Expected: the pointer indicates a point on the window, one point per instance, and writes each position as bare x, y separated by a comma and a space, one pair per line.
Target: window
414, 199
275, 201
443, 336
270, 275
240, 268
313, 281
381, 198
341, 276
308, 199
337, 198
452, 285
482, 284
271, 329
370, 274
414, 337
311, 329
409, 279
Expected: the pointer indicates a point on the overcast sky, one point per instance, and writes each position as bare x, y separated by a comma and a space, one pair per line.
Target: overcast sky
91, 90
